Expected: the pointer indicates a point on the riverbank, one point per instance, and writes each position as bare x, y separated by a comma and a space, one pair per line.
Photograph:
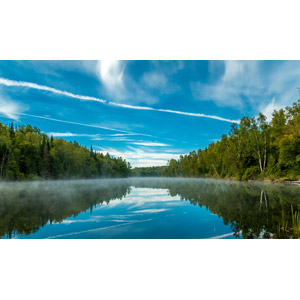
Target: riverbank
280, 180
293, 182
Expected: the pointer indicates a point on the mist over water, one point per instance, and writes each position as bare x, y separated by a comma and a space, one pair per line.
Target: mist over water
148, 208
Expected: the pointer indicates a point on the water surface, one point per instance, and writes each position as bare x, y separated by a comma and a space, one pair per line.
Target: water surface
148, 208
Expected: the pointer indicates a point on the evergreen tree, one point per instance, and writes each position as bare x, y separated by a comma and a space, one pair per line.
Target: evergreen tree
253, 149
27, 153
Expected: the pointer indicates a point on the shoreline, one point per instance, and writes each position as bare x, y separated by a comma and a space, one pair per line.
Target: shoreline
274, 181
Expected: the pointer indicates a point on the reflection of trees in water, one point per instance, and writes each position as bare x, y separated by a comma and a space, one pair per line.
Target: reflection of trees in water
25, 207
252, 209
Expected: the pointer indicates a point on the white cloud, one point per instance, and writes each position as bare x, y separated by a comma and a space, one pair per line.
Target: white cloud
140, 158
122, 86
150, 144
154, 80
109, 137
81, 124
158, 81
111, 75
268, 109
115, 139
235, 68
8, 82
121, 134
141, 162
70, 134
253, 83
10, 109
174, 112
94, 137
198, 115
240, 78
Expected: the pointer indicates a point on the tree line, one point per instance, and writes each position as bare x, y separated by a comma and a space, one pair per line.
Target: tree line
147, 171
253, 149
27, 153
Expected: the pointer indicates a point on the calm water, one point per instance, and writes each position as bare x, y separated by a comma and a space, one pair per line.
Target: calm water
148, 208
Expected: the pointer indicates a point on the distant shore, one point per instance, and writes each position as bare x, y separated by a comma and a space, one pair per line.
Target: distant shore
280, 181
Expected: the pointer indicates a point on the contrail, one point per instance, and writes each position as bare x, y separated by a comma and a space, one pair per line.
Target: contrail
8, 82
82, 124
172, 112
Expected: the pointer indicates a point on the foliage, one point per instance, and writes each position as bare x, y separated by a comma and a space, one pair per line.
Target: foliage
147, 171
254, 149
27, 153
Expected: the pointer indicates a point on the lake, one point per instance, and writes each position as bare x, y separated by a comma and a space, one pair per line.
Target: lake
137, 208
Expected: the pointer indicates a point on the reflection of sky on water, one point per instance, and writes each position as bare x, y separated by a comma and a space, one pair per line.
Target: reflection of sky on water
144, 213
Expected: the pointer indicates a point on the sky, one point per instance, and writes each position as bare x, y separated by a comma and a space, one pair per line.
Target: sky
147, 112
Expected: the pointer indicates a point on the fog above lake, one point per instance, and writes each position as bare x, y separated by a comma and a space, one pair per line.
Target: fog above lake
148, 208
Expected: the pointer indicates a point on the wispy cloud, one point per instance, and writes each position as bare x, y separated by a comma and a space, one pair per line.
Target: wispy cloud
124, 137
263, 86
111, 75
173, 112
114, 139
240, 79
155, 79
198, 115
96, 137
70, 134
11, 109
7, 82
151, 144
153, 82
81, 124
139, 157
268, 109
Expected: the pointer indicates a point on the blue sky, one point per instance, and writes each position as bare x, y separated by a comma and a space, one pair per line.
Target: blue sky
145, 111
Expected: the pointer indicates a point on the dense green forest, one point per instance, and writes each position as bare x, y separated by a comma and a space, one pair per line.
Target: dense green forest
254, 149
27, 153
147, 171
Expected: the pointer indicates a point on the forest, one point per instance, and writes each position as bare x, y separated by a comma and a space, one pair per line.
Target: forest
27, 153
253, 149
147, 171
